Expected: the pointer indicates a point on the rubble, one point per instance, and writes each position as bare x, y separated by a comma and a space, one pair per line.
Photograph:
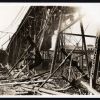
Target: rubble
32, 69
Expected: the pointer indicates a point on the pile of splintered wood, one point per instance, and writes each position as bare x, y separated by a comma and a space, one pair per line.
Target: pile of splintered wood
29, 86
34, 86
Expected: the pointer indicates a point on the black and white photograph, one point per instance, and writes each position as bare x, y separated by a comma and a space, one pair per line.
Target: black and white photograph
50, 49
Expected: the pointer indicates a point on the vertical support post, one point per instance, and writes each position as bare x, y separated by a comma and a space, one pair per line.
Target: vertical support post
70, 68
30, 27
84, 44
56, 44
64, 45
82, 56
44, 28
60, 46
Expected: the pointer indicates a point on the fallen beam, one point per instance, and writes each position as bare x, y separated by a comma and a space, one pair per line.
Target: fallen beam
85, 85
50, 91
19, 72
41, 74
90, 89
29, 82
43, 91
25, 79
62, 63
21, 93
29, 47
73, 65
62, 89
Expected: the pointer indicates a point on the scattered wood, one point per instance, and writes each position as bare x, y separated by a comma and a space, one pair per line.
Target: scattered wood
19, 72
62, 89
62, 63
42, 93
9, 73
90, 89
27, 89
41, 74
29, 82
49, 91
41, 90
84, 84
5, 80
22, 93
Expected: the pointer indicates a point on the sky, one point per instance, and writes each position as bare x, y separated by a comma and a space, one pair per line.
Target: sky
91, 24
11, 16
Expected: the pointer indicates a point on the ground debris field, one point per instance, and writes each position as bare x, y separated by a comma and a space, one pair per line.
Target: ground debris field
30, 84
27, 86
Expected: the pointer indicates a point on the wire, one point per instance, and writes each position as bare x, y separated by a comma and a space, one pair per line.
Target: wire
4, 35
14, 19
17, 18
6, 42
20, 15
5, 32
72, 36
71, 42
87, 27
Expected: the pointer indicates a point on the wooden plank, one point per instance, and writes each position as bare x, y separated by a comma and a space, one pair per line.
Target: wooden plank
21, 93
31, 90
19, 72
29, 82
62, 63
56, 44
50, 91
90, 89
62, 89
44, 91
18, 60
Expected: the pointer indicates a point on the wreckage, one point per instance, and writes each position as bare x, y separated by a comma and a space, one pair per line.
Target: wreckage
37, 70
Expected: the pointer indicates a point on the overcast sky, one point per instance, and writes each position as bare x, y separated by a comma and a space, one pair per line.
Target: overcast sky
10, 18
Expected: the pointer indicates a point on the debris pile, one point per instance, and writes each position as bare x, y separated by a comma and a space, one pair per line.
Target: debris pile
32, 68
30, 85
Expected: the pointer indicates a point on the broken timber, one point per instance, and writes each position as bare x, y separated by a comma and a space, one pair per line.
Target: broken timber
19, 60
50, 91
63, 62
86, 85
60, 31
19, 72
84, 45
29, 82
43, 90
56, 44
